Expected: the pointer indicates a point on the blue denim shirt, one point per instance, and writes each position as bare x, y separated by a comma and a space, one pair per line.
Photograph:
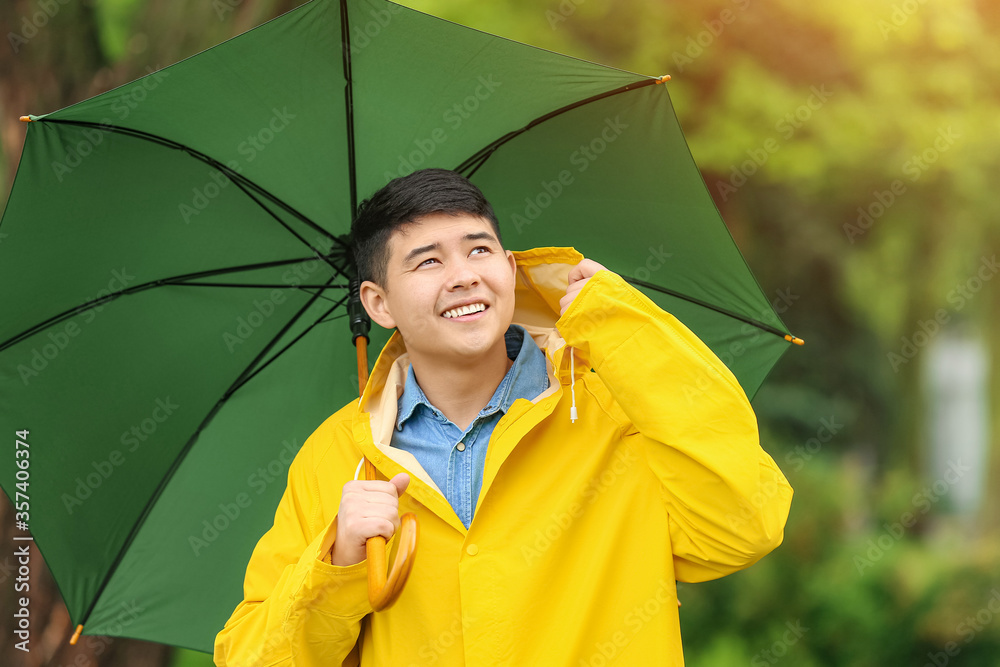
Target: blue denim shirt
455, 458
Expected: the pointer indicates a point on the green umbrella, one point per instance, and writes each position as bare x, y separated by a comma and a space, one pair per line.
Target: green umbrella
173, 275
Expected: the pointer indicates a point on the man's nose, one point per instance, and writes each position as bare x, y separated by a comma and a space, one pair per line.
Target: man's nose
462, 275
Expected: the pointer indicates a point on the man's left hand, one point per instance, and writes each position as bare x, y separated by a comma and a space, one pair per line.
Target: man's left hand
578, 277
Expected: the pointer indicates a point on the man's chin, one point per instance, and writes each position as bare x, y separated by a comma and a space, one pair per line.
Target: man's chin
472, 352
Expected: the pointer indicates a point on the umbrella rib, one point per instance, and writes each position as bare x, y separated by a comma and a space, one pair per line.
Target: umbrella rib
233, 175
263, 285
235, 387
175, 280
291, 231
345, 42
477, 159
335, 317
134, 531
304, 288
742, 318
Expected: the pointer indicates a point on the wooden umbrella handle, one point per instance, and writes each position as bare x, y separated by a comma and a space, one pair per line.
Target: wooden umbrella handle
383, 590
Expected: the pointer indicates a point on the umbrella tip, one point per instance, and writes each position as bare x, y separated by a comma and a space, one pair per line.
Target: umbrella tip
794, 339
663, 79
25, 119
76, 635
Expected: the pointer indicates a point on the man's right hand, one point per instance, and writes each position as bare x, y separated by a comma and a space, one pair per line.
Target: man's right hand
367, 509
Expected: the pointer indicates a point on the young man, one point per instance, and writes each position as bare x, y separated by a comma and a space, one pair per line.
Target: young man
531, 410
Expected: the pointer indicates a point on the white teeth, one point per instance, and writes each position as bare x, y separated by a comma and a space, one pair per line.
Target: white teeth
464, 310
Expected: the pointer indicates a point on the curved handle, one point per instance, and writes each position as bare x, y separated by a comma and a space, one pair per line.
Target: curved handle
383, 590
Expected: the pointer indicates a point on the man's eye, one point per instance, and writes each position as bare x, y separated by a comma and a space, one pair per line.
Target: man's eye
427, 260
482, 247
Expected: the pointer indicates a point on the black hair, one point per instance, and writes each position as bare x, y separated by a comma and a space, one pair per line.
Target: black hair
403, 201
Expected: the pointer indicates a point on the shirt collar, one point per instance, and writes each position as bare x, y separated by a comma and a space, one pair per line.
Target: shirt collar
526, 378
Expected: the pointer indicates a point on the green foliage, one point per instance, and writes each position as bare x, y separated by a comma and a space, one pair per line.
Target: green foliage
114, 21
851, 586
188, 658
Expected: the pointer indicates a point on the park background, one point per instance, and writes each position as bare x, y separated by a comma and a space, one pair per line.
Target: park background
849, 146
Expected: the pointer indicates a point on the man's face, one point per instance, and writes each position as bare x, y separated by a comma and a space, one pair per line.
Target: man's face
437, 264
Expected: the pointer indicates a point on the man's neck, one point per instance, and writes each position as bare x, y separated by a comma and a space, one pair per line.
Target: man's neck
461, 391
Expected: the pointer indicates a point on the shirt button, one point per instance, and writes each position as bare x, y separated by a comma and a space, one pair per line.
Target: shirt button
461, 447
472, 549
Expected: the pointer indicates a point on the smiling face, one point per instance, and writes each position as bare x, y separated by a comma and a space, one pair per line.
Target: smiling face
449, 289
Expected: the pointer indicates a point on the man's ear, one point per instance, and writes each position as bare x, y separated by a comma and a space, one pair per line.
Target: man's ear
374, 301
512, 261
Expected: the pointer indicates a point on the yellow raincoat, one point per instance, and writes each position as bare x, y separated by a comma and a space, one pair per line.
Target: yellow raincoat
581, 529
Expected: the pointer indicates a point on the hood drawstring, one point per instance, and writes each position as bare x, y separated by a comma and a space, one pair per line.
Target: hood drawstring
572, 386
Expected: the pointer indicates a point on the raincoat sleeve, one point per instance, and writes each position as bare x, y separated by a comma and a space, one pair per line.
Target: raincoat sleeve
687, 416
297, 608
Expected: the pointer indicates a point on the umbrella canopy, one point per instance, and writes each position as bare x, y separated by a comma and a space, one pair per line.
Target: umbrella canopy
174, 269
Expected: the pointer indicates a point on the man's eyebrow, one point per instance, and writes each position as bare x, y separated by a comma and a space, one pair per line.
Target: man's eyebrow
473, 236
477, 236
419, 251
